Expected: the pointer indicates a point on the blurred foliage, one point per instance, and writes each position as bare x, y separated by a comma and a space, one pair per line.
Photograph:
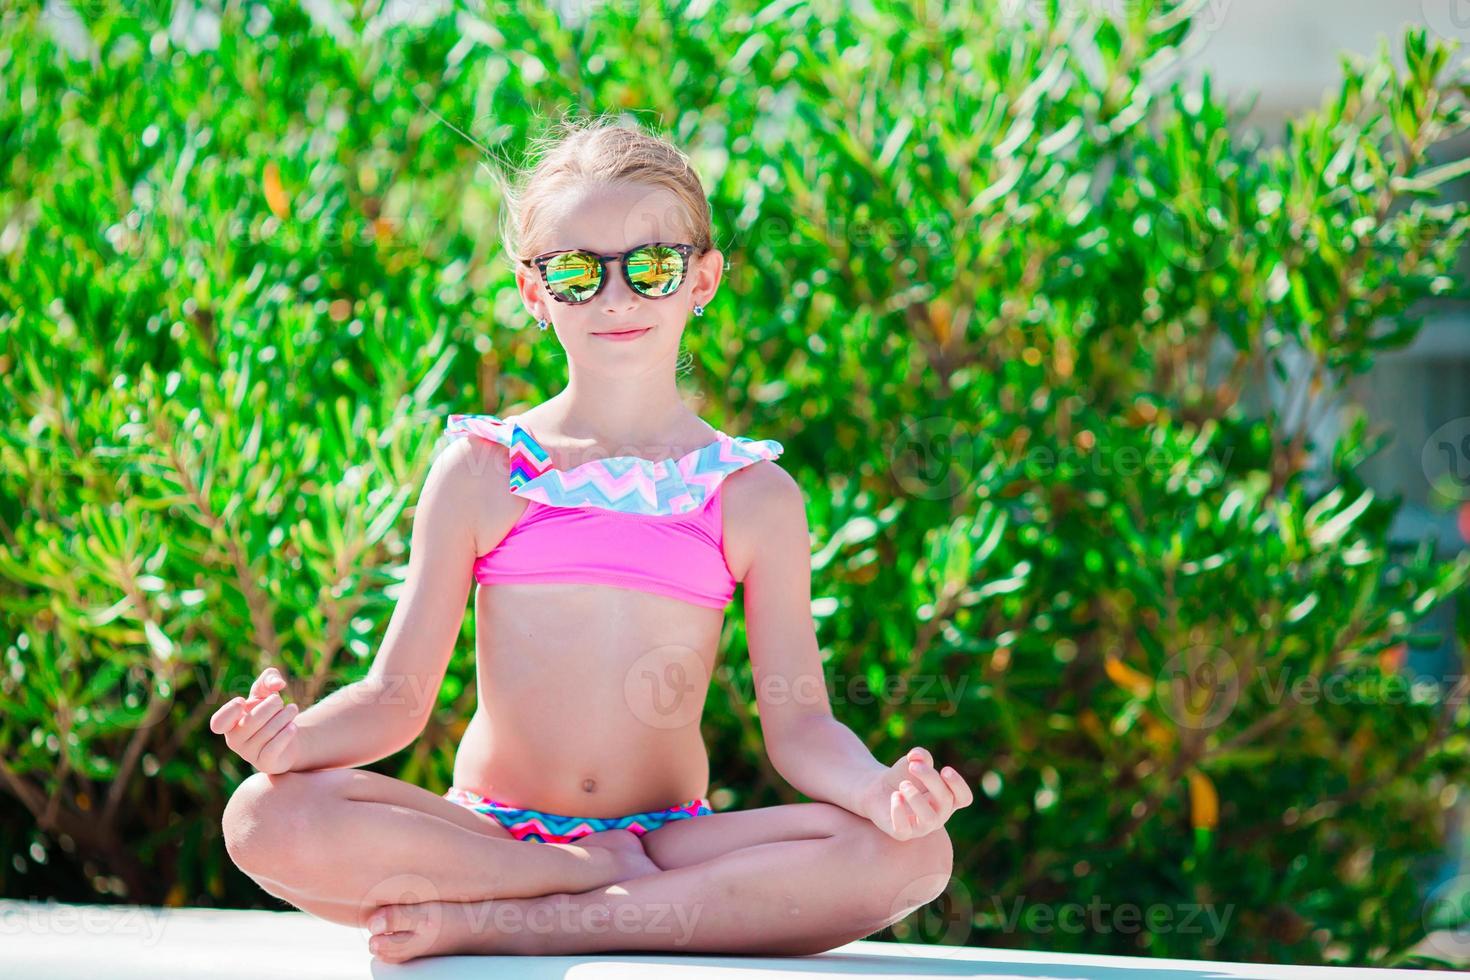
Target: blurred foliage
984, 260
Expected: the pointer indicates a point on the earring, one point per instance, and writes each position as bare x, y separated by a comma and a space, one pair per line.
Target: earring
543, 323
698, 310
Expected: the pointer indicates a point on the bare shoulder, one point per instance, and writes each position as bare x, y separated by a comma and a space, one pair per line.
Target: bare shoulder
469, 482
759, 502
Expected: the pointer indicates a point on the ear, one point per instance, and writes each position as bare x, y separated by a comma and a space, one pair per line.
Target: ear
708, 271
532, 289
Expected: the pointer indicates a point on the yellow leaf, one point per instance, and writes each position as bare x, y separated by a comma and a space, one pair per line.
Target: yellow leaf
1090, 723
1391, 659
1062, 360
1158, 735
941, 316
1127, 678
1204, 802
275, 194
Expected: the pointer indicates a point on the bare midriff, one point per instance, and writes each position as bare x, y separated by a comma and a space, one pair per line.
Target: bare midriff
590, 698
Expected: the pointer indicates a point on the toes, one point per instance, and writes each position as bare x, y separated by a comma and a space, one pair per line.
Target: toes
402, 932
398, 947
415, 917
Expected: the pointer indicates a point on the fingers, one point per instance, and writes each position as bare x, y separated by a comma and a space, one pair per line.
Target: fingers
956, 783
228, 716
912, 817
945, 785
937, 788
279, 720
274, 752
915, 754
905, 821
260, 727
269, 680
929, 812
254, 719
925, 799
928, 794
230, 713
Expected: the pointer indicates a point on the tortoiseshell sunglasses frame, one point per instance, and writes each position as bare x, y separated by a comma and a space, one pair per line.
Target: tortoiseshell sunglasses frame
540, 261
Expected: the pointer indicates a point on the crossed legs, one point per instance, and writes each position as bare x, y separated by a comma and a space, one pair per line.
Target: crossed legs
783, 880
340, 842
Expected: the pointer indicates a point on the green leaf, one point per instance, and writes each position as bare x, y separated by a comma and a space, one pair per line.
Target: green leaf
1430, 179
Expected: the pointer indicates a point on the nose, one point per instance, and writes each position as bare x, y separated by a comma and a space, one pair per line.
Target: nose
616, 293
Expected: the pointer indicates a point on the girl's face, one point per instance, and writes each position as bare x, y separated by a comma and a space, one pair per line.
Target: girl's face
608, 221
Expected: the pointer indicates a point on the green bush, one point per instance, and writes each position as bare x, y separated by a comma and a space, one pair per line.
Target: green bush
978, 264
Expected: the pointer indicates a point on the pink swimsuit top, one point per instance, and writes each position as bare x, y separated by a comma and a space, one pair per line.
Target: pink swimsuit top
625, 521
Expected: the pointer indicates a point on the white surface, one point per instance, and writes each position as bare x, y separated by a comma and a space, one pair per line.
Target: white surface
118, 942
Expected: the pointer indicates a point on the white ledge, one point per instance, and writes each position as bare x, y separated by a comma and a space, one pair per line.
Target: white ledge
58, 941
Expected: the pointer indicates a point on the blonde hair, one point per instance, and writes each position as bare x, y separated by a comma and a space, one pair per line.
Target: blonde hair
599, 150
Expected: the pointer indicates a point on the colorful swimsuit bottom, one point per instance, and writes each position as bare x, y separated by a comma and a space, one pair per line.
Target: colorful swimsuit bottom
554, 828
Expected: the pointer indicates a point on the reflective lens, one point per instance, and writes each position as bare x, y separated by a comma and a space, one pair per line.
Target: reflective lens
655, 270
573, 276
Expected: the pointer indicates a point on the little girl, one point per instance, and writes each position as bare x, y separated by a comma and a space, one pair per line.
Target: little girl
605, 530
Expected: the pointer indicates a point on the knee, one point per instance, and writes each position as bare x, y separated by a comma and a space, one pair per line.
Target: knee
909, 874
937, 859
267, 819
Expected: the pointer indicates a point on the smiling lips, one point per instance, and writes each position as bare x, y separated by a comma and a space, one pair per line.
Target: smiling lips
624, 334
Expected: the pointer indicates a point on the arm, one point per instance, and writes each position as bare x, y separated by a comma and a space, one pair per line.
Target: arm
347, 728
387, 709
808, 746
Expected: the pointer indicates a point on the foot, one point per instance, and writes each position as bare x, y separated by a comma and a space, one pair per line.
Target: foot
625, 851
504, 927
495, 927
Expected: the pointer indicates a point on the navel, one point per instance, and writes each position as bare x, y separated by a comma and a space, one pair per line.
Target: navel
589, 785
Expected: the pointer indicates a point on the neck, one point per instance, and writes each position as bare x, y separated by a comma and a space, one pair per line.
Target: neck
643, 411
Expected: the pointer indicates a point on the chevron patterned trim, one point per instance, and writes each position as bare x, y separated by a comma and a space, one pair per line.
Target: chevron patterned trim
627, 484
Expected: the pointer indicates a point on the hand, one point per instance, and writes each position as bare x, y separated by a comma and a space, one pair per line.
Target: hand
911, 799
260, 729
